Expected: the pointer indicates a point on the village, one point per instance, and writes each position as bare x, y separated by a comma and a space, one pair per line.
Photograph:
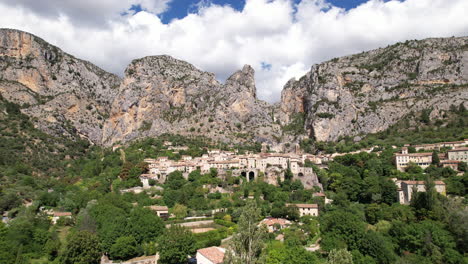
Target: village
270, 167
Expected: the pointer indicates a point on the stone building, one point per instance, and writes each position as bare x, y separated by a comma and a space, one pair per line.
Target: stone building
275, 224
458, 154
307, 209
249, 166
407, 188
161, 211
404, 159
453, 164
438, 146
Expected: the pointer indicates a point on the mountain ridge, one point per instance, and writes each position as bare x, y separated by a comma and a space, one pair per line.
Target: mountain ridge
352, 95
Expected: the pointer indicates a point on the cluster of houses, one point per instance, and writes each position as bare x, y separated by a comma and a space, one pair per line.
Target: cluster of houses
269, 165
457, 153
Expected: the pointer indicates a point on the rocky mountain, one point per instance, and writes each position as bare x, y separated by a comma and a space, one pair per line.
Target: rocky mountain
348, 96
64, 95
368, 92
158, 94
161, 94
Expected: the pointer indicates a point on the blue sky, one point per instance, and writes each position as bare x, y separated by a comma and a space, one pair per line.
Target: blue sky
180, 8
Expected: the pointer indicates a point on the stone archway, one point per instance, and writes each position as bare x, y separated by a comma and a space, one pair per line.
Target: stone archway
300, 174
251, 175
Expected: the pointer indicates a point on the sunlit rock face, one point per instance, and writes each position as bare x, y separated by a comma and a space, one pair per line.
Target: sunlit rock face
348, 96
368, 92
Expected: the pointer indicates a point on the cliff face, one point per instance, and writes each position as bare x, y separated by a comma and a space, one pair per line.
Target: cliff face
63, 94
368, 92
348, 96
163, 95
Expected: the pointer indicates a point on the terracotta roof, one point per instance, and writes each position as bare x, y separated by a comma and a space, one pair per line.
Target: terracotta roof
214, 254
458, 149
449, 161
158, 208
453, 142
319, 194
62, 214
422, 182
305, 205
224, 162
272, 221
423, 154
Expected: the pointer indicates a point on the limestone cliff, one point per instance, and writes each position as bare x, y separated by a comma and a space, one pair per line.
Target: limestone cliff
161, 94
348, 96
370, 91
63, 94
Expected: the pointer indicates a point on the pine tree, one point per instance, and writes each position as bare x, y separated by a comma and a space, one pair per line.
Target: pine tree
247, 245
435, 158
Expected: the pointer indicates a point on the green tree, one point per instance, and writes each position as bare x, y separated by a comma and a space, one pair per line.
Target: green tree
194, 175
175, 245
124, 248
144, 225
248, 243
288, 175
340, 256
343, 226
175, 180
82, 248
180, 211
462, 166
278, 253
6, 255
435, 158
374, 245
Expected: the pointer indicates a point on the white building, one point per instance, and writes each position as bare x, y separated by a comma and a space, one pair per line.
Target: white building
307, 209
458, 154
402, 160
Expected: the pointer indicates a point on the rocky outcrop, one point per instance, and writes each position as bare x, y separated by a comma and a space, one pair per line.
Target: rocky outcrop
348, 96
368, 92
161, 94
63, 94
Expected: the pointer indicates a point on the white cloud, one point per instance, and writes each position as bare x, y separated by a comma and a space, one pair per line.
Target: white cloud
87, 12
220, 39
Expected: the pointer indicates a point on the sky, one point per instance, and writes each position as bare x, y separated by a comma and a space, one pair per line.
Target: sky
280, 39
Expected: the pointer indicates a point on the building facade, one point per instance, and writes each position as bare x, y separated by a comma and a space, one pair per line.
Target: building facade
403, 159
458, 154
406, 189
249, 166
307, 209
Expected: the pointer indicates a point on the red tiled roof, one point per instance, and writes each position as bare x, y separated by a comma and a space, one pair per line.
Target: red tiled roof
458, 149
422, 182
214, 254
58, 214
304, 205
423, 154
272, 221
449, 161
